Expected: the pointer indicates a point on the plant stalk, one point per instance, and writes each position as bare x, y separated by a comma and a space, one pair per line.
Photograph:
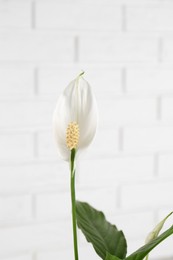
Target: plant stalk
73, 202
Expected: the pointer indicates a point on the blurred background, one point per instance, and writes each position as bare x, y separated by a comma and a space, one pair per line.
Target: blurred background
125, 48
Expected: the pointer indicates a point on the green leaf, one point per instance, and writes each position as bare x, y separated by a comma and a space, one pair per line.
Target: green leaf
104, 236
143, 251
111, 257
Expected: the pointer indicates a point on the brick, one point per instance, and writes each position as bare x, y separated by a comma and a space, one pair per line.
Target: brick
147, 195
104, 145
16, 145
80, 16
103, 199
120, 47
167, 108
106, 81
54, 1
36, 46
86, 249
110, 171
20, 257
129, 2
51, 206
54, 255
15, 14
47, 145
165, 165
26, 113
16, 82
34, 237
15, 209
147, 18
150, 80
148, 138
167, 49
128, 110
33, 177
130, 223
103, 79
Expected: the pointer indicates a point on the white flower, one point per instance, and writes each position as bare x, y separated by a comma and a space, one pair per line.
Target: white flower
155, 232
75, 118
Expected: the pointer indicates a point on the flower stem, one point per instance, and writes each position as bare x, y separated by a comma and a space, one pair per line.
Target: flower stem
73, 202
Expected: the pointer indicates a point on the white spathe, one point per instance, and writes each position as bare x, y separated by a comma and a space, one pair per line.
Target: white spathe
76, 104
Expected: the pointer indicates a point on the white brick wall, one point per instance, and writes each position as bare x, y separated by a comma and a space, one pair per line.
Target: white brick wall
84, 17
149, 18
15, 14
16, 145
16, 81
118, 47
145, 139
153, 80
126, 49
35, 46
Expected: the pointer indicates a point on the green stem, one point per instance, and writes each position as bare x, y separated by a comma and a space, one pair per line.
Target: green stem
73, 202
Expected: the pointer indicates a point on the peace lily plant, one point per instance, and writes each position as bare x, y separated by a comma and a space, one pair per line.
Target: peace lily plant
74, 123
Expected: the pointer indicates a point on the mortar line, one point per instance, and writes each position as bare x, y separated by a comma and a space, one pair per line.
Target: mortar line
120, 138
76, 49
124, 80
34, 255
124, 18
33, 14
156, 215
160, 49
118, 199
159, 108
36, 85
156, 165
35, 148
33, 206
